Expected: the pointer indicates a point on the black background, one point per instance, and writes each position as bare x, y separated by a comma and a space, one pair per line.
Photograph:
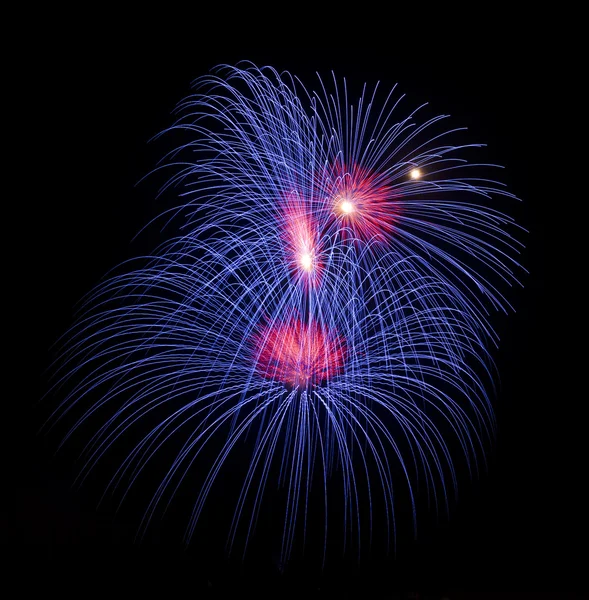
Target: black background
97, 101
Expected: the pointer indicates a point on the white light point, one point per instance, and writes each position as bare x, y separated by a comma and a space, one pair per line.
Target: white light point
347, 207
306, 261
415, 173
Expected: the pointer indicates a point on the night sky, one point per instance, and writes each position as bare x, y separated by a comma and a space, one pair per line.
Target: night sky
517, 527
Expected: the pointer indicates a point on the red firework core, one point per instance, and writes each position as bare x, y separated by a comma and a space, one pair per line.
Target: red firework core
299, 353
361, 202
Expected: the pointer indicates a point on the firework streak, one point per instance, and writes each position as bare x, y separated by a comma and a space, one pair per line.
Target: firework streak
323, 314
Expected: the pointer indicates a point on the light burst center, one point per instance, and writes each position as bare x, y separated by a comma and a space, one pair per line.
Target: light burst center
347, 207
306, 261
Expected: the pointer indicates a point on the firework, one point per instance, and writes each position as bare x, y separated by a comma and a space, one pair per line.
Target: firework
324, 311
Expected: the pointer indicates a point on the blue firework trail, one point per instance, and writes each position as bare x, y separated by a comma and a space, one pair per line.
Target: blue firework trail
322, 313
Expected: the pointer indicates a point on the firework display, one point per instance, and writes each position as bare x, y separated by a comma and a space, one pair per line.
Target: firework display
322, 313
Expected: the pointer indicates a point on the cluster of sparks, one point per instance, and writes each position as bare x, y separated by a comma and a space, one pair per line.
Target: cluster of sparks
362, 210
330, 290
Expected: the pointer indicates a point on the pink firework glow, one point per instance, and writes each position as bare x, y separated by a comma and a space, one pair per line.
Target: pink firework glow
361, 202
299, 353
301, 241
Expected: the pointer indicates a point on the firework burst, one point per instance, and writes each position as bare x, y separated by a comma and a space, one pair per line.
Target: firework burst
300, 354
324, 311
